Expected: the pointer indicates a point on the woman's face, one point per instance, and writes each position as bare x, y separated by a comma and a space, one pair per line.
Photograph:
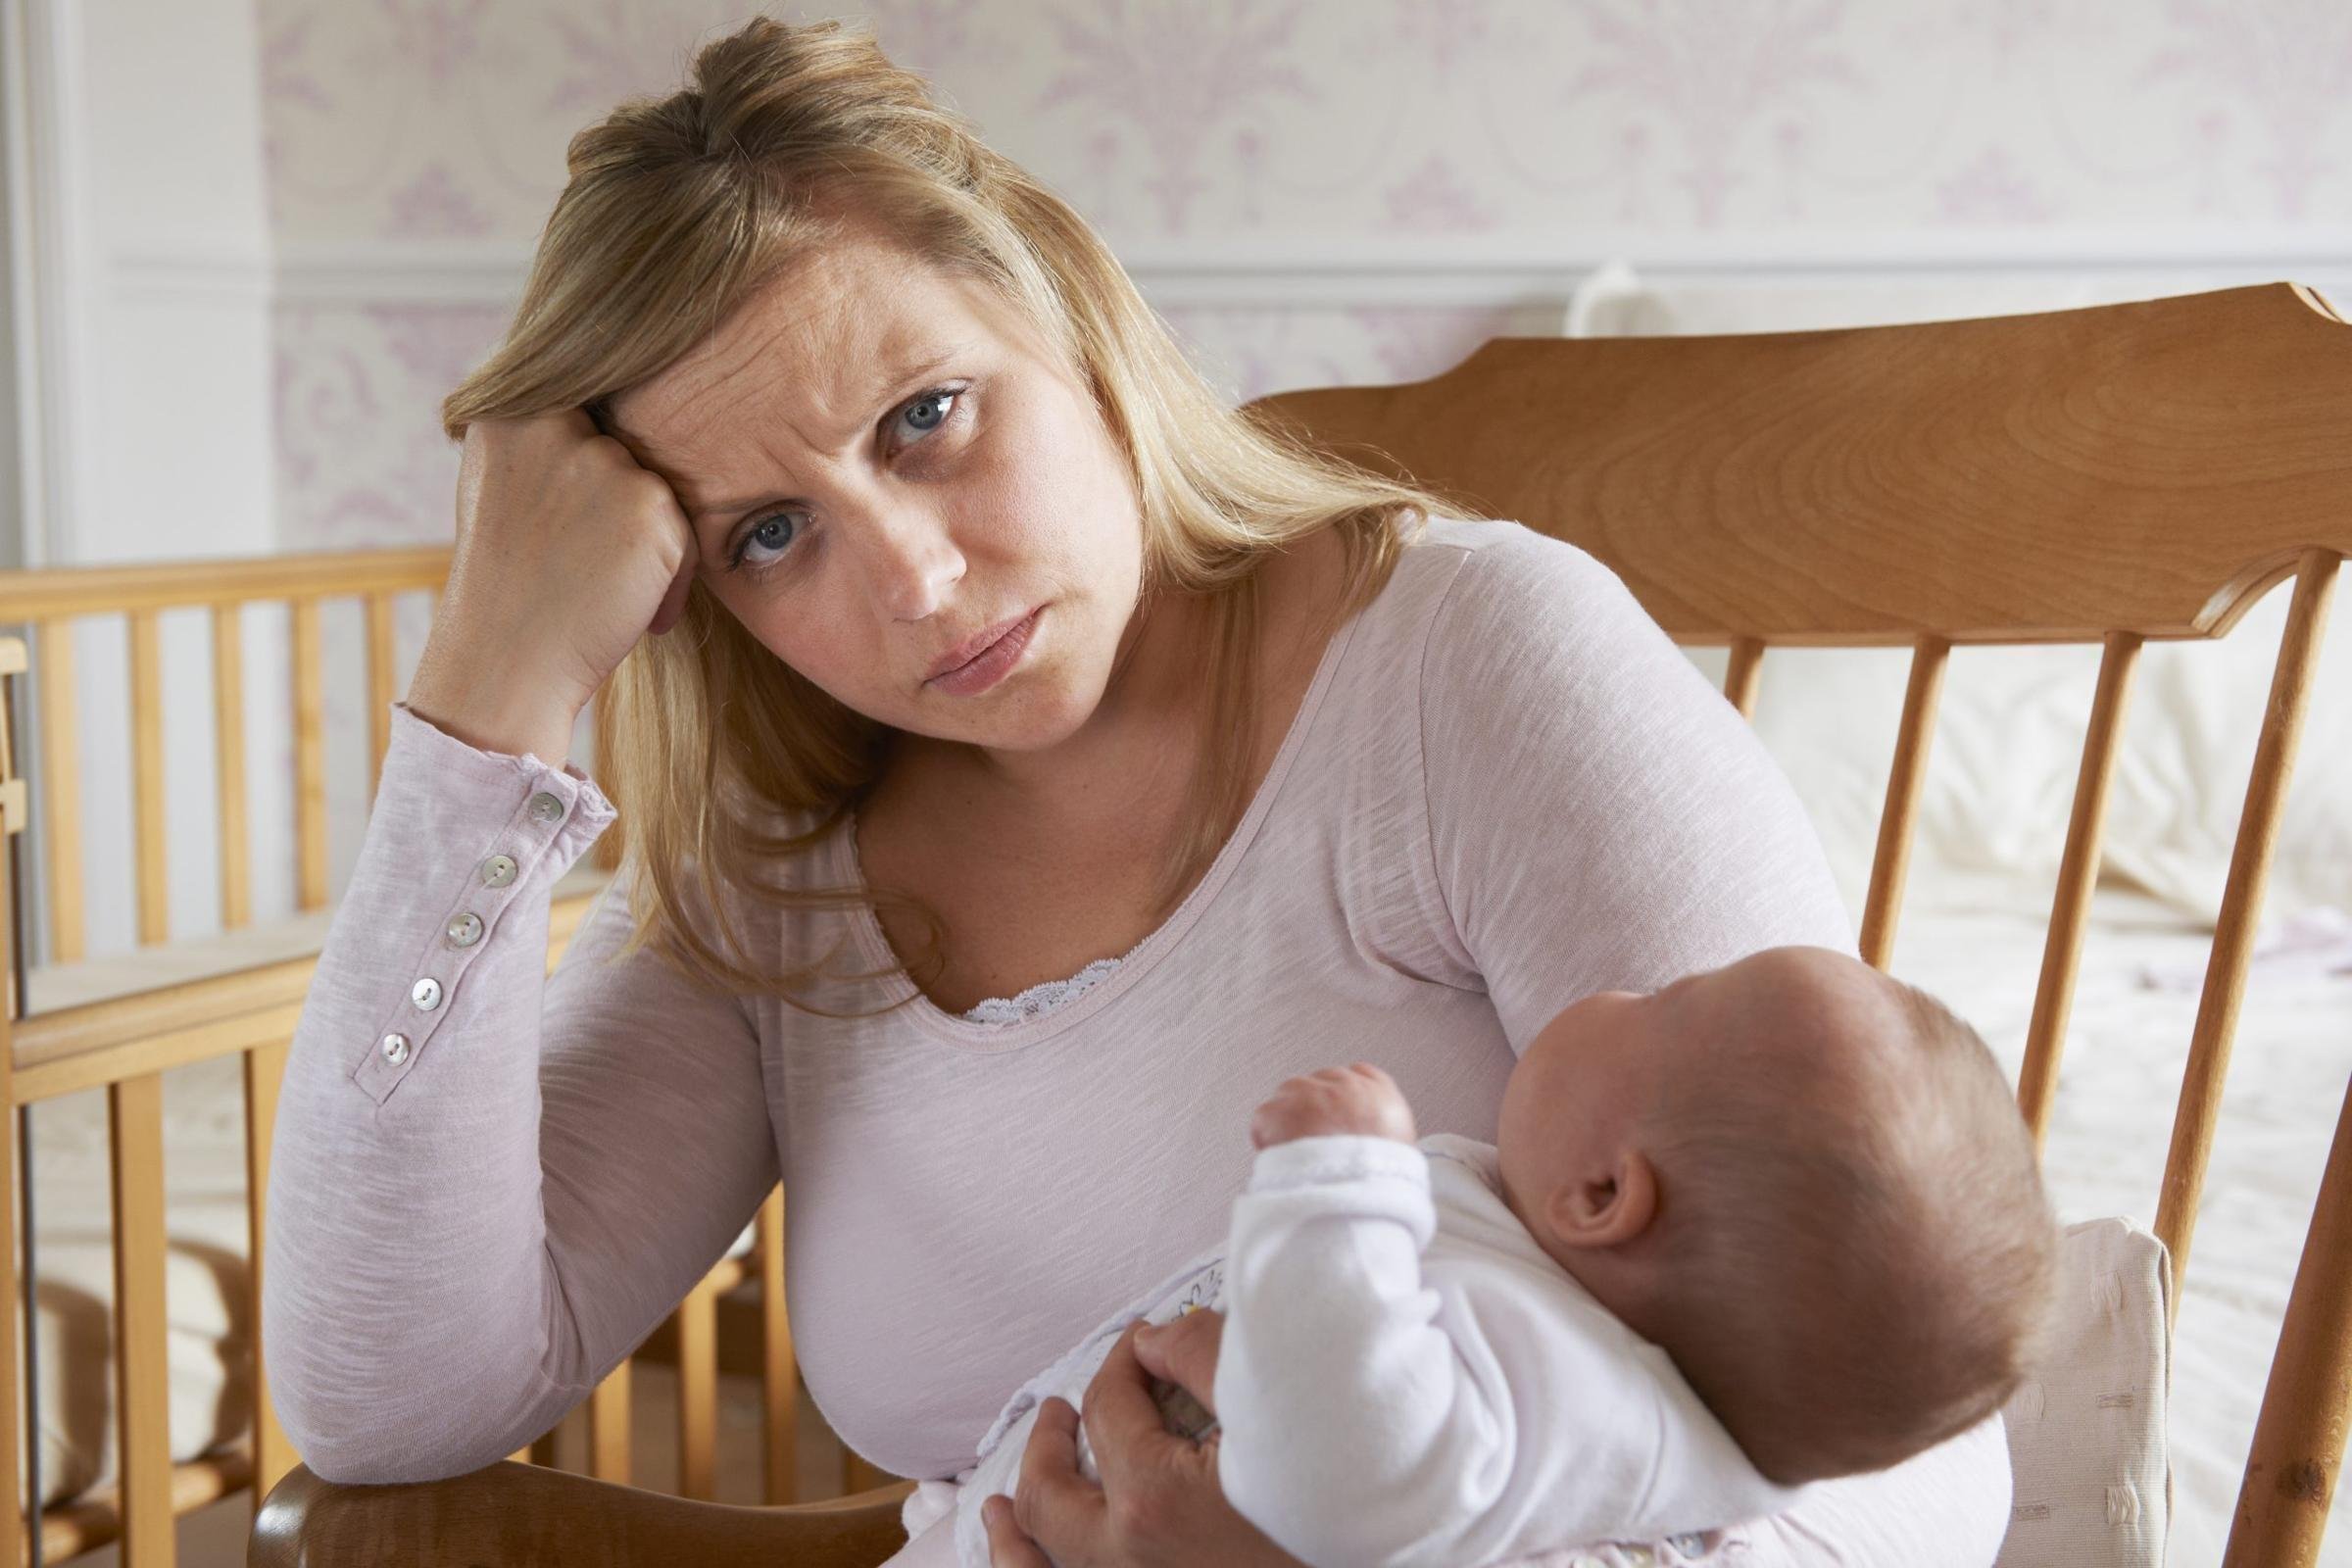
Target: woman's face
879, 461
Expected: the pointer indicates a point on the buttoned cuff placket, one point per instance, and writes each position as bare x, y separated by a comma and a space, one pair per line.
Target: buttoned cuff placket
549, 801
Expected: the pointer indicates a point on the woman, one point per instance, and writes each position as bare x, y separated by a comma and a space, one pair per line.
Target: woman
1267, 764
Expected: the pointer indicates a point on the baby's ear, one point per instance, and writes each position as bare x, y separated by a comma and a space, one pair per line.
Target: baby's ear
1606, 1208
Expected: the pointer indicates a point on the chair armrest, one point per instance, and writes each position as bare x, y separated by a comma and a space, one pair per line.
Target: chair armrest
510, 1515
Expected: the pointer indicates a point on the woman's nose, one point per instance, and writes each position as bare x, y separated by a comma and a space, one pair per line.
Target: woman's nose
912, 561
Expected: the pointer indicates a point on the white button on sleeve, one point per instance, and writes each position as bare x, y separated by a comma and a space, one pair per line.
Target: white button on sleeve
464, 930
396, 1048
426, 994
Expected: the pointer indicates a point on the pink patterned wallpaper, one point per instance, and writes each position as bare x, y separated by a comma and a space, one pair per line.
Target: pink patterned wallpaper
408, 140
405, 126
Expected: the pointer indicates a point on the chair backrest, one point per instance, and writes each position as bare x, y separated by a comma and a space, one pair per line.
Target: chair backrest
2109, 474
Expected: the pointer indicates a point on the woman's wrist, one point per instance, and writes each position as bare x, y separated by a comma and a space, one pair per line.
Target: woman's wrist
494, 718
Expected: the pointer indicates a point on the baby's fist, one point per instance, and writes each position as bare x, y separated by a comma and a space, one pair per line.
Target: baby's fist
1360, 1099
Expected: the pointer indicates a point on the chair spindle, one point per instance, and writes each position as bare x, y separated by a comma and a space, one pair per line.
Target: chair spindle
2070, 910
2241, 908
1892, 858
2299, 1437
1740, 675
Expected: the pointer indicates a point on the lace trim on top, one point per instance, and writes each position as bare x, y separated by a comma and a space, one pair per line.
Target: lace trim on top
1041, 997
1047, 994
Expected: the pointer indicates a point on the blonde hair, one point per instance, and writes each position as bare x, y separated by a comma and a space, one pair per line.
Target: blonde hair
676, 212
1857, 1265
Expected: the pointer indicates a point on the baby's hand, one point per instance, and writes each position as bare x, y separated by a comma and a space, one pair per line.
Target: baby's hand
1360, 1099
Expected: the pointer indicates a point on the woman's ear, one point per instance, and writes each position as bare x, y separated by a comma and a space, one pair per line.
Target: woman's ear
1595, 1209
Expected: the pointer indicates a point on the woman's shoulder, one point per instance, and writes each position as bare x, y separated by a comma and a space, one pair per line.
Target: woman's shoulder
1492, 588
1500, 556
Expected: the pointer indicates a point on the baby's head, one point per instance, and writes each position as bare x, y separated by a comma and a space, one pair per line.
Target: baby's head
1809, 1184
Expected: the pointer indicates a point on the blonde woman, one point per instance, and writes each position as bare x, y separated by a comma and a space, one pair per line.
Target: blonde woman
1025, 763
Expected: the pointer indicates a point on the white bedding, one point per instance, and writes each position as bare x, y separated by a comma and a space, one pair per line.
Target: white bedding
2120, 1079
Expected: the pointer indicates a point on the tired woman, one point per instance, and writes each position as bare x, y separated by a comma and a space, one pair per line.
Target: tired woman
1024, 762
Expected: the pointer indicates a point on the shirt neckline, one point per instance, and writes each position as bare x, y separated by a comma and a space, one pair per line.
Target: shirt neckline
955, 1029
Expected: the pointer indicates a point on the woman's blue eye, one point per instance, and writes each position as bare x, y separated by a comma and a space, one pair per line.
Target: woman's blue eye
760, 533
937, 395
926, 401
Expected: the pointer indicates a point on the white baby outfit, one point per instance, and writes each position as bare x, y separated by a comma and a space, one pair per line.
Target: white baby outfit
1408, 1379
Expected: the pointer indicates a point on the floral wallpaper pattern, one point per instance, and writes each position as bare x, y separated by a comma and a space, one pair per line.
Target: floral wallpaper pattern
1333, 124
406, 132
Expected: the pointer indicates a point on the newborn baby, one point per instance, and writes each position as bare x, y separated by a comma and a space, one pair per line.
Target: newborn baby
1776, 1222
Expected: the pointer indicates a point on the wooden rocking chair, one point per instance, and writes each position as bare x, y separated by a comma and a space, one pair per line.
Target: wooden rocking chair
2106, 476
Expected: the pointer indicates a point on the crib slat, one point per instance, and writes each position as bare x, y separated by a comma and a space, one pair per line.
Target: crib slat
2299, 1437
310, 760
61, 792
698, 1392
2241, 906
135, 1121
381, 679
2069, 912
147, 772
265, 1070
779, 1366
609, 1445
1740, 676
1892, 858
229, 732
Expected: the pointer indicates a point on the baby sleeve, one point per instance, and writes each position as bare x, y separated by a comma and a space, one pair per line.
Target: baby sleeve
1600, 817
1352, 1433
487, 1184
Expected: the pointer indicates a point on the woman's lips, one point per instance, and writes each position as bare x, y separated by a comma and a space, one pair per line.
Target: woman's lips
992, 664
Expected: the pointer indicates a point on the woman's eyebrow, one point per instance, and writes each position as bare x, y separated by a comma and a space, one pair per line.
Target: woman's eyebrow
883, 387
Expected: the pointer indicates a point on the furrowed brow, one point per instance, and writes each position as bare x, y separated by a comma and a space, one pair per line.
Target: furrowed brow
892, 380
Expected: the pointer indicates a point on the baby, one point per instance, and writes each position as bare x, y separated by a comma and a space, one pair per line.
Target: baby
1776, 1222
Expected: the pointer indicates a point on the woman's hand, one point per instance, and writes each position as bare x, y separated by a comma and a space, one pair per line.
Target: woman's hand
1160, 1504
567, 552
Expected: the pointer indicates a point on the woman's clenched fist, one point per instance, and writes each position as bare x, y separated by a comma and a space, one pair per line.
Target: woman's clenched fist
567, 552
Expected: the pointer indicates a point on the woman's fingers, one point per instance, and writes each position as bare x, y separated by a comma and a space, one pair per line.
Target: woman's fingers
1185, 1352
1054, 1505
1123, 1422
1007, 1548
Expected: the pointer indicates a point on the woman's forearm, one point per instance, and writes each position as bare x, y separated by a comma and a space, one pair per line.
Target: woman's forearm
479, 1196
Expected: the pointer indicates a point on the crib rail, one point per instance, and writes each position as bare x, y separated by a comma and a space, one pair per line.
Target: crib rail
51, 602
2113, 474
124, 1044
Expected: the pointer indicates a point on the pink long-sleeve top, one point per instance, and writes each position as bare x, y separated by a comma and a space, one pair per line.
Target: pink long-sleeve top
1504, 788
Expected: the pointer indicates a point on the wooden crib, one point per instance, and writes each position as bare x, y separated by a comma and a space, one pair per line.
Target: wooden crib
2109, 475
118, 1023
